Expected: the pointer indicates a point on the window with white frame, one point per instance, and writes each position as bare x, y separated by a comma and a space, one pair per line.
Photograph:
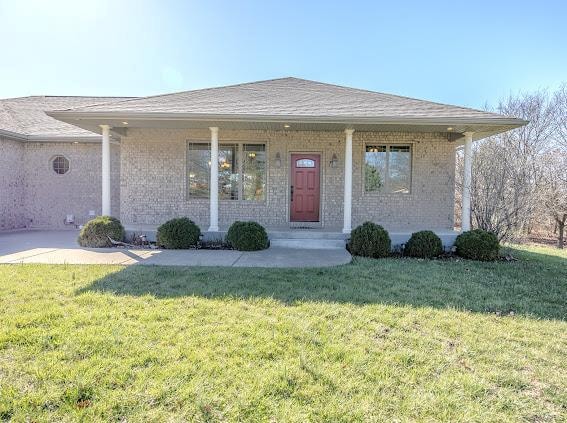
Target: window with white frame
242, 171
387, 168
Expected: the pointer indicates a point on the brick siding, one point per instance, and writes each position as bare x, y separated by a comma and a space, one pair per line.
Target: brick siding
153, 179
12, 215
34, 196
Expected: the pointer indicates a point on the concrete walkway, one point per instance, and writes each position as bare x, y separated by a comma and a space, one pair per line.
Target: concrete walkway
60, 247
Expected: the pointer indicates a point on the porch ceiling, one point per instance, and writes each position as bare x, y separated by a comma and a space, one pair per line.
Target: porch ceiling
482, 128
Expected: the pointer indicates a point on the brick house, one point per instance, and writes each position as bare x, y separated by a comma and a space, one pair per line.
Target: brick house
300, 157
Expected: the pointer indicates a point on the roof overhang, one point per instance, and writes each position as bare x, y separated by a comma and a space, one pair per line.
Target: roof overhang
91, 121
83, 139
94, 138
12, 135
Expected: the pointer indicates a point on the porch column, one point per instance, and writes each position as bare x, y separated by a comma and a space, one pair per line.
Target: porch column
467, 179
348, 183
214, 193
105, 170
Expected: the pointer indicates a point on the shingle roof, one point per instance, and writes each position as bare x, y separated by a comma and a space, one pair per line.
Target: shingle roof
26, 115
289, 97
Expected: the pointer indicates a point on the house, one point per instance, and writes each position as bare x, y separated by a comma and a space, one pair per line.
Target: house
303, 158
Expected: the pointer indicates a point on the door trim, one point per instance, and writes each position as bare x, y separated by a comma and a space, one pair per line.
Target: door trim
321, 186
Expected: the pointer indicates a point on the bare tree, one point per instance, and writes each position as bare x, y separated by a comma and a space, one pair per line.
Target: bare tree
560, 100
507, 168
555, 190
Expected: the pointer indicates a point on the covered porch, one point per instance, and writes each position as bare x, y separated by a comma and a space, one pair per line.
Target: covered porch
343, 203
340, 186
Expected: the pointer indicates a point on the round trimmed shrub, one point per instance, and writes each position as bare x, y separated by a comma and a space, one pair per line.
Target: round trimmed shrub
478, 245
424, 244
95, 233
178, 233
370, 240
247, 236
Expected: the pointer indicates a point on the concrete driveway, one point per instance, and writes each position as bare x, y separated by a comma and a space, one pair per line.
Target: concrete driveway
61, 247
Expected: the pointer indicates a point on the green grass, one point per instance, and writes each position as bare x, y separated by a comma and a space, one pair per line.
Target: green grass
376, 340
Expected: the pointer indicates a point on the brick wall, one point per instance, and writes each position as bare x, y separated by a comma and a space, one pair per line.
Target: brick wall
12, 214
153, 179
430, 203
49, 197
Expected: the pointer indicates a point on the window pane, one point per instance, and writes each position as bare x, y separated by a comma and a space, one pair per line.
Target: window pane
254, 172
374, 167
304, 163
400, 169
60, 165
228, 172
198, 170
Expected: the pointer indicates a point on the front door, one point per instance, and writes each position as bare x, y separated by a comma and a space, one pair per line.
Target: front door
305, 187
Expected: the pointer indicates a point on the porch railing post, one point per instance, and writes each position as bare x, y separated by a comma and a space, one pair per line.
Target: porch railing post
348, 183
105, 170
467, 180
214, 185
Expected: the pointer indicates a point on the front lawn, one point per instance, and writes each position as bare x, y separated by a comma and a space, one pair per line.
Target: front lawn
376, 340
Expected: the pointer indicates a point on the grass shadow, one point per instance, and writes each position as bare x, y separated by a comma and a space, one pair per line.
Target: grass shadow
535, 285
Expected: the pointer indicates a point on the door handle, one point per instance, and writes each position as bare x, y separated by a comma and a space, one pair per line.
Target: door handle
292, 193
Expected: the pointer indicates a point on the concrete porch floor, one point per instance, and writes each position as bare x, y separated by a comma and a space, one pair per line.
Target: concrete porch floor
61, 247
308, 237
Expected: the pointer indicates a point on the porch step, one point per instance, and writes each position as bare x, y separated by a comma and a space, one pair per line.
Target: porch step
319, 244
307, 238
305, 234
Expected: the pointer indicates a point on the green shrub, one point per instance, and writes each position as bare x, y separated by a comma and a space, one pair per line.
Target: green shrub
478, 245
96, 232
370, 240
179, 233
247, 236
424, 244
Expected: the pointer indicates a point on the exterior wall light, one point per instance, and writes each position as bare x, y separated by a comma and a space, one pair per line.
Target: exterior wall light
334, 161
278, 161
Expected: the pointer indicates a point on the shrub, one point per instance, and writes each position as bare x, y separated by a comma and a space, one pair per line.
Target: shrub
247, 236
478, 245
178, 233
96, 232
424, 244
370, 240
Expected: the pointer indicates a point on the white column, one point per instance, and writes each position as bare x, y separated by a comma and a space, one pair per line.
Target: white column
214, 185
348, 183
105, 170
467, 179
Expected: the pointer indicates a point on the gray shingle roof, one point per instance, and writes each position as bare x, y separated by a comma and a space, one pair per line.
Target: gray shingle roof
289, 97
26, 115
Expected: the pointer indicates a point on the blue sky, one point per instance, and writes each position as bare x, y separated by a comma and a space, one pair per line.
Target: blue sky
466, 53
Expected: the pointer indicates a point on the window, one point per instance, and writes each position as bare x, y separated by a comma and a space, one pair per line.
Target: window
374, 167
387, 168
304, 163
60, 165
254, 172
252, 183
198, 165
228, 172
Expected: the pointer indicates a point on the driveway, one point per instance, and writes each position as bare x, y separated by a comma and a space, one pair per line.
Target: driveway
61, 247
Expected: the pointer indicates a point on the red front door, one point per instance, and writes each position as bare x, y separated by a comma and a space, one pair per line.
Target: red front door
305, 188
